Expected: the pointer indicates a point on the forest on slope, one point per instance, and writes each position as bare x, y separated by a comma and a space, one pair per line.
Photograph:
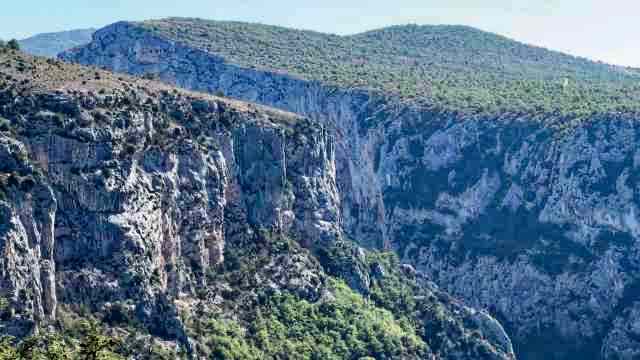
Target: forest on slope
457, 68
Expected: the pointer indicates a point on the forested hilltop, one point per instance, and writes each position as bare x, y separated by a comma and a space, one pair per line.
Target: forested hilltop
453, 67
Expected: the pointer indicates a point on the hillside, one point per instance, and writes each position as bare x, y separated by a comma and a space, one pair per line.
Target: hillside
455, 67
530, 214
51, 44
189, 226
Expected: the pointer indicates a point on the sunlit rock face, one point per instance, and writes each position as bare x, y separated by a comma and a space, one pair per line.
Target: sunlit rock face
104, 202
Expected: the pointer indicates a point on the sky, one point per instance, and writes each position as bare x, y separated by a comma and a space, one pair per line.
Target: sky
604, 30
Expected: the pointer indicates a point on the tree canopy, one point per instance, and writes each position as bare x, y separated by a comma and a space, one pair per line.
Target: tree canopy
454, 67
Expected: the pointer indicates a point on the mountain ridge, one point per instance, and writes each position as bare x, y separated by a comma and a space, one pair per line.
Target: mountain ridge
408, 25
52, 43
448, 72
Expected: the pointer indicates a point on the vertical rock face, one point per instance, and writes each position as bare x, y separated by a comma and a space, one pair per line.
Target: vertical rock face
128, 203
539, 226
169, 209
27, 267
122, 48
289, 182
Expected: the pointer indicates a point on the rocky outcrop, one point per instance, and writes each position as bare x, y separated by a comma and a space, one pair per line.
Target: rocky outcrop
135, 208
534, 219
27, 218
623, 339
124, 48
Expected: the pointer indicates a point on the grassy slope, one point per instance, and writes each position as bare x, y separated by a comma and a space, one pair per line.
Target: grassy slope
454, 67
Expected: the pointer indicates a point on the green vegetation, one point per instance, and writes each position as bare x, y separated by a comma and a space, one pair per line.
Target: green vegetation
396, 318
452, 67
346, 327
93, 345
285, 326
13, 44
412, 302
293, 324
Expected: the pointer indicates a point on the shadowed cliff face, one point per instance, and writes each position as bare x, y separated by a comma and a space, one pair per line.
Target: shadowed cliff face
536, 224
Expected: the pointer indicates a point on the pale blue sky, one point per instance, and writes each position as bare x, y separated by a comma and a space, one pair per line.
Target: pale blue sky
607, 30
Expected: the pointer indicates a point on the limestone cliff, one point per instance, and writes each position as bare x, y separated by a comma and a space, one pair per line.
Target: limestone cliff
533, 217
163, 212
130, 192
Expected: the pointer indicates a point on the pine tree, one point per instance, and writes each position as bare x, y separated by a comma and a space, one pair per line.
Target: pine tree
96, 346
13, 44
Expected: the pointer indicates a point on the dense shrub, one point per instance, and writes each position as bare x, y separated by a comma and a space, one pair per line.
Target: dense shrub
347, 327
13, 44
94, 345
285, 326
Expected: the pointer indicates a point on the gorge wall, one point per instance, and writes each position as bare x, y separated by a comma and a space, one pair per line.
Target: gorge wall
537, 223
183, 223
121, 202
